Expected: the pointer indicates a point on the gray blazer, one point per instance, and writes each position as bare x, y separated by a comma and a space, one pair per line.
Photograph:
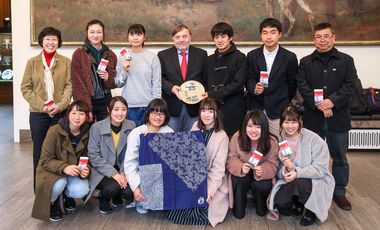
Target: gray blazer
101, 151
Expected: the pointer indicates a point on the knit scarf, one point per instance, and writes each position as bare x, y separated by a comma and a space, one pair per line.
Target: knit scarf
48, 78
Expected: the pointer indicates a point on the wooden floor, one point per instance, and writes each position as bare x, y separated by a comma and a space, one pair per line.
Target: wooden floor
16, 198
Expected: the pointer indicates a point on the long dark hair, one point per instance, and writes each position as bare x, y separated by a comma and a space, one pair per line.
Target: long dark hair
258, 118
210, 103
94, 22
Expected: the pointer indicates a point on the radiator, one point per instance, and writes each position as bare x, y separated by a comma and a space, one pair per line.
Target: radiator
364, 139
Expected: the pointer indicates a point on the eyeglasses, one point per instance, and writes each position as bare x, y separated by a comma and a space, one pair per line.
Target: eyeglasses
325, 36
157, 114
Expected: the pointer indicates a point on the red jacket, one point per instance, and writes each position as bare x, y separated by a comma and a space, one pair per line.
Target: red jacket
81, 74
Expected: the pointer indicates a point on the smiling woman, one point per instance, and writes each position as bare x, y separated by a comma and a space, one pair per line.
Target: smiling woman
46, 86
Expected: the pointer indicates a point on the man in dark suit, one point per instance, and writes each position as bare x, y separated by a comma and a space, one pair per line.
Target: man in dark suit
333, 73
181, 63
271, 77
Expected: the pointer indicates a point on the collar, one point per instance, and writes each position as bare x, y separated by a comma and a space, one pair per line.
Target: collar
334, 54
273, 53
180, 52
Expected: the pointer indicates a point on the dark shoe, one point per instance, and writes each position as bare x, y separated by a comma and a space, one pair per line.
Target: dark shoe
55, 212
297, 209
117, 201
308, 218
69, 203
104, 206
342, 202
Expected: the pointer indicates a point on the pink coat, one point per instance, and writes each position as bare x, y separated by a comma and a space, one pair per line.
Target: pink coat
237, 157
217, 183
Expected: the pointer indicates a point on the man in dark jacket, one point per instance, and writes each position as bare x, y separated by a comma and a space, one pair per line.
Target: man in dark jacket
279, 66
333, 73
225, 75
175, 70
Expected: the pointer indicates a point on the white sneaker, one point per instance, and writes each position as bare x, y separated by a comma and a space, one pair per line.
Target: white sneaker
141, 210
131, 205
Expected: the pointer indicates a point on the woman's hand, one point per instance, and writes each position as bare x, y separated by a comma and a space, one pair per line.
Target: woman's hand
258, 171
126, 65
103, 75
121, 180
54, 109
90, 116
288, 164
84, 172
245, 169
138, 195
72, 170
290, 176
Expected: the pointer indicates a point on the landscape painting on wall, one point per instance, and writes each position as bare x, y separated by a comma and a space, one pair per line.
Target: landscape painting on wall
356, 22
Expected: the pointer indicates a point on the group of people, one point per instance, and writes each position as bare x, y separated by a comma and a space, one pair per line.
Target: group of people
245, 108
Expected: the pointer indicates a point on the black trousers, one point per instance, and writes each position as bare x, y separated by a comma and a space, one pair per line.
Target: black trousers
260, 190
297, 191
109, 188
39, 125
99, 108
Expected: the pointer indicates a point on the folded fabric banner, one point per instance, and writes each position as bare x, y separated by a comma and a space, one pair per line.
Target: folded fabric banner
173, 170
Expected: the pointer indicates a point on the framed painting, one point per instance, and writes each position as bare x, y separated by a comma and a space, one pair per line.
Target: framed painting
355, 22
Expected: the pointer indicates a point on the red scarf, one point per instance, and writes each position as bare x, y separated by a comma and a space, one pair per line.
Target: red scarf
48, 57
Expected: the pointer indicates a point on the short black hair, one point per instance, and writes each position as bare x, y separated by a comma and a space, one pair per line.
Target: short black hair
222, 28
290, 113
80, 106
157, 105
272, 23
136, 29
322, 26
50, 31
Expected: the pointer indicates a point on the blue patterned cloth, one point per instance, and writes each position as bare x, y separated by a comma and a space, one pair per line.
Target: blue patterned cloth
173, 170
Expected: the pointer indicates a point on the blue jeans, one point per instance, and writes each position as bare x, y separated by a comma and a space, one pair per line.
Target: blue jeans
182, 123
73, 186
338, 146
136, 114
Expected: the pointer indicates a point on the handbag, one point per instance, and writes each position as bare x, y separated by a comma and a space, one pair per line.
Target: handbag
358, 104
372, 97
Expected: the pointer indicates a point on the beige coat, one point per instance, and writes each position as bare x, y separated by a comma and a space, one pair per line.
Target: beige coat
33, 86
237, 157
217, 186
57, 153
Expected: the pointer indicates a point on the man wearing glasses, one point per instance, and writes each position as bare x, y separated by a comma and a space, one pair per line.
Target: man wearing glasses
333, 73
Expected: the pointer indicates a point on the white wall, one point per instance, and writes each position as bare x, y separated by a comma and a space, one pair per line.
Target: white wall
367, 59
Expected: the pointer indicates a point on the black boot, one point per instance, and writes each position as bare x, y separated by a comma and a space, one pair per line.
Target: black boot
104, 206
55, 211
69, 203
308, 218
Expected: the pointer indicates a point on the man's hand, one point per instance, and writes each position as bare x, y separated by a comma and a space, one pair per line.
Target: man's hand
325, 104
259, 89
175, 90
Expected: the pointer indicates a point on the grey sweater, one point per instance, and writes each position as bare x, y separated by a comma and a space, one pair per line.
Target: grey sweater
142, 82
312, 162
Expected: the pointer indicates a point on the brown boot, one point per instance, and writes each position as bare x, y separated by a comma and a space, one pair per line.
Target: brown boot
342, 202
